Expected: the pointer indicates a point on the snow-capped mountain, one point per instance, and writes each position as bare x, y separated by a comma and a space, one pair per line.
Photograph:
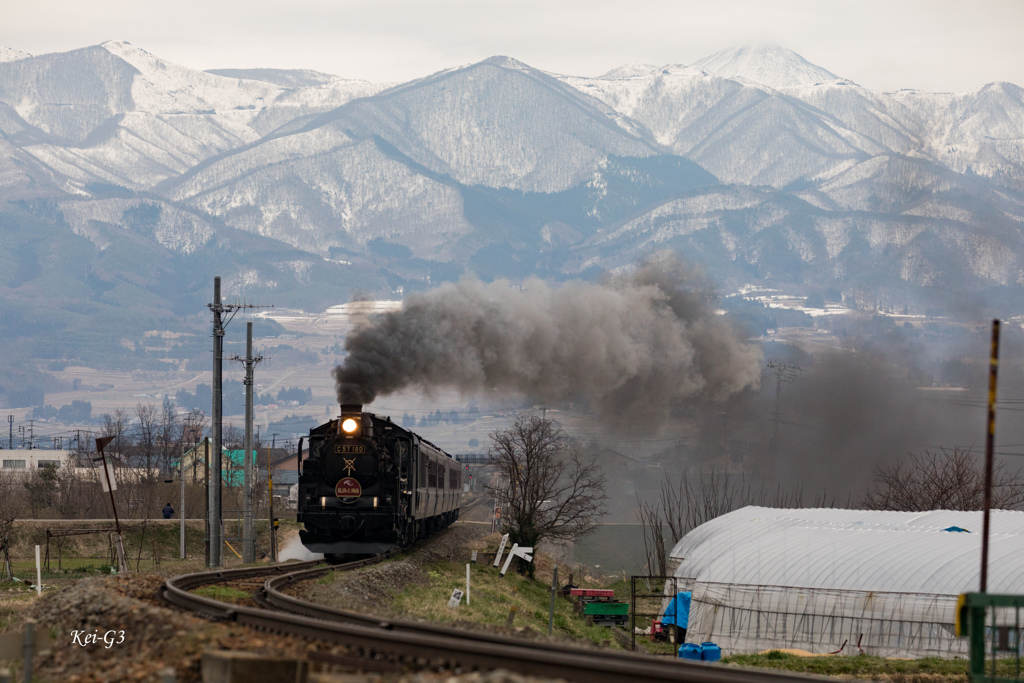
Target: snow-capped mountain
773, 66
754, 162
9, 55
767, 116
116, 114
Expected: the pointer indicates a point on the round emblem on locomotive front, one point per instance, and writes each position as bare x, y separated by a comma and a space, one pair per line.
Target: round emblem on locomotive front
348, 490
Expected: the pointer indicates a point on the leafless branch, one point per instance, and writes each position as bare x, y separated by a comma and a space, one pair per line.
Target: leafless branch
947, 480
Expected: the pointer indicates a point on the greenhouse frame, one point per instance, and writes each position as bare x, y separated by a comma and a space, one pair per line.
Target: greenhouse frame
852, 581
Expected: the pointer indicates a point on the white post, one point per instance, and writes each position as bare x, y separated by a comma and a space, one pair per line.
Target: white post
511, 554
501, 549
39, 574
525, 552
467, 585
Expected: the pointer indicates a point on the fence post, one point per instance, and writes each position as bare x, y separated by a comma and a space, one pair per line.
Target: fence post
554, 588
977, 639
513, 608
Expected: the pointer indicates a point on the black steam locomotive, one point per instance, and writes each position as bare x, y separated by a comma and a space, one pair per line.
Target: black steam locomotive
369, 486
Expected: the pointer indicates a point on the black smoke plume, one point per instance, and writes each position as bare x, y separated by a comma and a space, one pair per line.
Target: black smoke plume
631, 347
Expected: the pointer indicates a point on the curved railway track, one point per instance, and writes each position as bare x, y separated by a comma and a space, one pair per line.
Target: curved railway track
394, 640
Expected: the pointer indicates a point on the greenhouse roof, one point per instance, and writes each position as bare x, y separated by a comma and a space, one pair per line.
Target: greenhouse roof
936, 552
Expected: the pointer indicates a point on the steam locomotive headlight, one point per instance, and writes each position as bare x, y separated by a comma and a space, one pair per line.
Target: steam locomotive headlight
349, 425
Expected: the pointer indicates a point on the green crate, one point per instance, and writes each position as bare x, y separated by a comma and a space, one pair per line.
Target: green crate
606, 608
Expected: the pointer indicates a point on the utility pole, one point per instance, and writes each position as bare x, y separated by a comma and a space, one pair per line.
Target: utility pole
990, 439
181, 510
248, 537
218, 404
10, 431
217, 413
784, 373
270, 498
206, 479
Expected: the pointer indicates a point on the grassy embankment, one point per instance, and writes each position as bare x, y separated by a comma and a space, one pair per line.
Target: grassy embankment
492, 597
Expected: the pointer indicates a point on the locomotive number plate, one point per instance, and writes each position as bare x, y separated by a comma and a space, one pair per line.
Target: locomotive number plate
350, 449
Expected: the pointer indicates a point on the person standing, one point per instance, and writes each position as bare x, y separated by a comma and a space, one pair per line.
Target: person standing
168, 511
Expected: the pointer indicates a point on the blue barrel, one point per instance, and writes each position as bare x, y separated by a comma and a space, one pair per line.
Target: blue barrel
689, 651
709, 652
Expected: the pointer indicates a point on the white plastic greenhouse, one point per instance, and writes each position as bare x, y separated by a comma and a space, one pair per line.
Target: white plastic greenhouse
883, 583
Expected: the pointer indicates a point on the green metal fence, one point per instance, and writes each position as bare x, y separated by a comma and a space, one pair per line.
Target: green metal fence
993, 624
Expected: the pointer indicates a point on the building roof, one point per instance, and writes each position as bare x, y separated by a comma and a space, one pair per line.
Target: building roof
866, 550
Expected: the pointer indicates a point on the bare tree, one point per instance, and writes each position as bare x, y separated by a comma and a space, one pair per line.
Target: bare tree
549, 488
948, 480
693, 499
41, 487
169, 435
115, 426
12, 503
232, 436
145, 440
192, 432
653, 535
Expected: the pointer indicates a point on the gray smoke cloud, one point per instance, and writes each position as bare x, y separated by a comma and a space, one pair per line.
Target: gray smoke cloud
632, 346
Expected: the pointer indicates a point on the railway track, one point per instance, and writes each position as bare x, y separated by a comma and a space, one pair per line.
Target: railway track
379, 642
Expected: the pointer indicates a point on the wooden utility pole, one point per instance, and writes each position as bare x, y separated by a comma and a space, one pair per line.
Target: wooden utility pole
990, 439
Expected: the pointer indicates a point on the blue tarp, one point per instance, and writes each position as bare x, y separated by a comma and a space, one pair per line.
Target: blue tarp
678, 611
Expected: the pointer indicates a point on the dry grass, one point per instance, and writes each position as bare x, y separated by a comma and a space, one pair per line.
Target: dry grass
926, 670
492, 598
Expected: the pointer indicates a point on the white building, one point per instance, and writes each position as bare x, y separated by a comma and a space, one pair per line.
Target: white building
885, 583
25, 460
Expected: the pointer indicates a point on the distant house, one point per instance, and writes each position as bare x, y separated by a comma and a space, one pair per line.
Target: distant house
287, 462
232, 464
23, 462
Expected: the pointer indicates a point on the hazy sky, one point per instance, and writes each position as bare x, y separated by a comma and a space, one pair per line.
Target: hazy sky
881, 44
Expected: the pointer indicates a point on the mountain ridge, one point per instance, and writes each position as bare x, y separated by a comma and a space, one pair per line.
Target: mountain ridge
806, 181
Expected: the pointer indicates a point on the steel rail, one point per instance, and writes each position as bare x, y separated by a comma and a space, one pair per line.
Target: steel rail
406, 641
